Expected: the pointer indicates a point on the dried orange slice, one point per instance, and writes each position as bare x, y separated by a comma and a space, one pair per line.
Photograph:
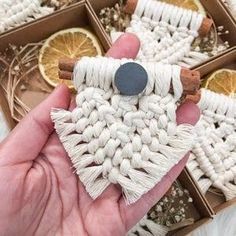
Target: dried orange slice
222, 81
194, 5
69, 43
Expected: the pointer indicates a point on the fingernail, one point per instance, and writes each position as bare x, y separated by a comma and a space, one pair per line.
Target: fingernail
188, 113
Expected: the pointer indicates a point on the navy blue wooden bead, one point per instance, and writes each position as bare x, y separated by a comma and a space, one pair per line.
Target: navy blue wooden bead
131, 79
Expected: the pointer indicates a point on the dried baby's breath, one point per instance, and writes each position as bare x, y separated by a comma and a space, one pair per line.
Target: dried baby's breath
114, 18
171, 210
17, 75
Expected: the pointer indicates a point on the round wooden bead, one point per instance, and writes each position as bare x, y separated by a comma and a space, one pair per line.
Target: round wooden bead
131, 79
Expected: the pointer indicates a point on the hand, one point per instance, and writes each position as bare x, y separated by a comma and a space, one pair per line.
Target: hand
40, 195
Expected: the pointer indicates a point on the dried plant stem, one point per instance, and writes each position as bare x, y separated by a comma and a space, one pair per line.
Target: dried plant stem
23, 63
2, 60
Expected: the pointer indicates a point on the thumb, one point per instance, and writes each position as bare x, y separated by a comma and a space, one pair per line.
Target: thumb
28, 138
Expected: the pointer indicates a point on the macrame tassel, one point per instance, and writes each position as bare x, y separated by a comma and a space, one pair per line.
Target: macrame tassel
17, 12
197, 173
60, 115
147, 227
192, 165
204, 184
193, 58
229, 191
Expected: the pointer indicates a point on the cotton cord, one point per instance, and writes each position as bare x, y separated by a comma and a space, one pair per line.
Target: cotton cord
166, 33
231, 4
148, 227
132, 141
16, 12
213, 158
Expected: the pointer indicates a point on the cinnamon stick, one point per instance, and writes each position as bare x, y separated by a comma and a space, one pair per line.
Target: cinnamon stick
65, 75
189, 78
194, 98
204, 29
66, 64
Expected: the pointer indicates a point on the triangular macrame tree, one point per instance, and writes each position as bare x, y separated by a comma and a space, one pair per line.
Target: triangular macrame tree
132, 141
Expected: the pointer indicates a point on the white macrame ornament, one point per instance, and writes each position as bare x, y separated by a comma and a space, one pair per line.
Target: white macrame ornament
166, 33
213, 158
132, 141
17, 12
231, 4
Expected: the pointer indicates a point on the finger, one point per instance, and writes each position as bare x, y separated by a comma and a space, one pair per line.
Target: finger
126, 46
30, 135
186, 113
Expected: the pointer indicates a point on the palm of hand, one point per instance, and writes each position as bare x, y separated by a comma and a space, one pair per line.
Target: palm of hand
58, 202
50, 200
40, 193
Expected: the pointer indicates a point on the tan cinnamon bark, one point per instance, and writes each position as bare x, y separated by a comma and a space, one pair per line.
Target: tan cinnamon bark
189, 78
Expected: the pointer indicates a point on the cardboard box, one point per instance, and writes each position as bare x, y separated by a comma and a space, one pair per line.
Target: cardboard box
83, 14
214, 8
202, 213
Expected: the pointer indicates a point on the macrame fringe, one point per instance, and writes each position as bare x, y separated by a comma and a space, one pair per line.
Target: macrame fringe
14, 13
229, 191
137, 182
148, 227
114, 139
204, 184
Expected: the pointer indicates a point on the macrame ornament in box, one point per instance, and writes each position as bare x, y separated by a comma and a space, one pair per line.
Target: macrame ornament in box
166, 33
213, 158
231, 4
111, 138
17, 12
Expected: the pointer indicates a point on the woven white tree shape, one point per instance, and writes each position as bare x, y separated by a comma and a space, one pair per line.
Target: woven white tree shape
166, 33
213, 158
17, 12
132, 141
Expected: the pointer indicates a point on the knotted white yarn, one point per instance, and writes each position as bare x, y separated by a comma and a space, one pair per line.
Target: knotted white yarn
148, 227
132, 141
166, 33
231, 4
213, 159
16, 12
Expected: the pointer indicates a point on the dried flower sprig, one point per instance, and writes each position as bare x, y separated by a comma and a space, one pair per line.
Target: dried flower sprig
114, 18
172, 208
16, 75
170, 213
